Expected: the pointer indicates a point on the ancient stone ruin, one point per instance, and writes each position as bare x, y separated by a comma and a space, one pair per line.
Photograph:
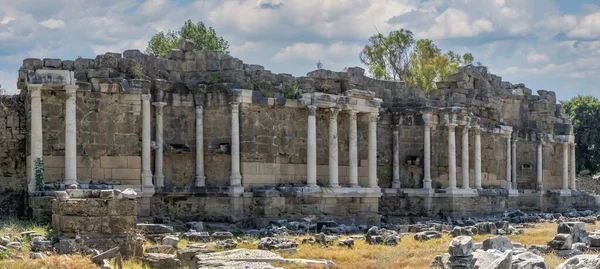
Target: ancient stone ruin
202, 136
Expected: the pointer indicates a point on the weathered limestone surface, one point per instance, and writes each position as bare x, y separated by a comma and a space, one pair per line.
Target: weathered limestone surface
273, 128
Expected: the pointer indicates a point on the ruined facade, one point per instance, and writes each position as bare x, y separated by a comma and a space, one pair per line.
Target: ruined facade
201, 135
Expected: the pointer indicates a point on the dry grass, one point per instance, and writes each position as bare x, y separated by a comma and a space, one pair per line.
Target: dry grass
414, 254
408, 254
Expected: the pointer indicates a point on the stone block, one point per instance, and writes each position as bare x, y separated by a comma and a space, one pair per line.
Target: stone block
119, 225
52, 63
97, 173
81, 225
54, 161
122, 207
268, 168
84, 173
114, 161
125, 174
83, 207
249, 168
134, 162
287, 169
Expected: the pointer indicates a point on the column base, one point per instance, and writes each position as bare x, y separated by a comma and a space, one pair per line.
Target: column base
396, 184
200, 181
236, 191
69, 182
513, 193
159, 180
148, 191
462, 192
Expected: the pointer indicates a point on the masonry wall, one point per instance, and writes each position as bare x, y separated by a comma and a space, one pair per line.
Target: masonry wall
108, 137
13, 123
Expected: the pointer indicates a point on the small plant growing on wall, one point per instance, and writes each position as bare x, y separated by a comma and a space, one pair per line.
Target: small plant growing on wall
290, 91
212, 79
39, 174
137, 71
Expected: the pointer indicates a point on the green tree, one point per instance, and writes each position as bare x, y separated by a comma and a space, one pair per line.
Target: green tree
204, 38
421, 64
387, 56
584, 112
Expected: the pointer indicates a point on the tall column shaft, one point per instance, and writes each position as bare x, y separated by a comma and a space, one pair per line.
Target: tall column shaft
333, 149
465, 157
396, 161
71, 135
565, 173
513, 156
353, 151
451, 156
427, 151
311, 145
573, 172
235, 179
508, 163
200, 177
147, 186
373, 150
159, 177
478, 158
36, 141
539, 166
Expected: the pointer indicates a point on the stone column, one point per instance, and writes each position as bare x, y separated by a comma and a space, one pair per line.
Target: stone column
353, 151
235, 179
200, 177
565, 173
477, 157
465, 157
311, 151
427, 151
373, 150
333, 149
147, 186
396, 162
508, 162
513, 156
539, 166
159, 177
451, 157
71, 135
573, 173
36, 141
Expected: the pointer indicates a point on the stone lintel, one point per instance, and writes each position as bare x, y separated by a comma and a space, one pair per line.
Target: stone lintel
459, 193
420, 192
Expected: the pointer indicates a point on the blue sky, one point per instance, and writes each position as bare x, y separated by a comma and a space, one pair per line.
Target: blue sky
546, 44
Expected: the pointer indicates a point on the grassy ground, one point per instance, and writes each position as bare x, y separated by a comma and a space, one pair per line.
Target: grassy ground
408, 254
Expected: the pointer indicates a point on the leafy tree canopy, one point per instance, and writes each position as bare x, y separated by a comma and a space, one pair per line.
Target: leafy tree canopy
204, 38
584, 112
420, 63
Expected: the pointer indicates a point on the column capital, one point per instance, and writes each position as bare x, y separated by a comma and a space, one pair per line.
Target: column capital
312, 110
476, 129
395, 128
145, 97
353, 114
159, 104
335, 111
35, 90
373, 116
71, 88
235, 106
451, 126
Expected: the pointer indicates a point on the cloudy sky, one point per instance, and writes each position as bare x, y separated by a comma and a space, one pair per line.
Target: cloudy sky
546, 44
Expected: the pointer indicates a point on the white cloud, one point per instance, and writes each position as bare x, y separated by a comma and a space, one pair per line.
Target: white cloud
53, 24
587, 27
455, 23
537, 58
